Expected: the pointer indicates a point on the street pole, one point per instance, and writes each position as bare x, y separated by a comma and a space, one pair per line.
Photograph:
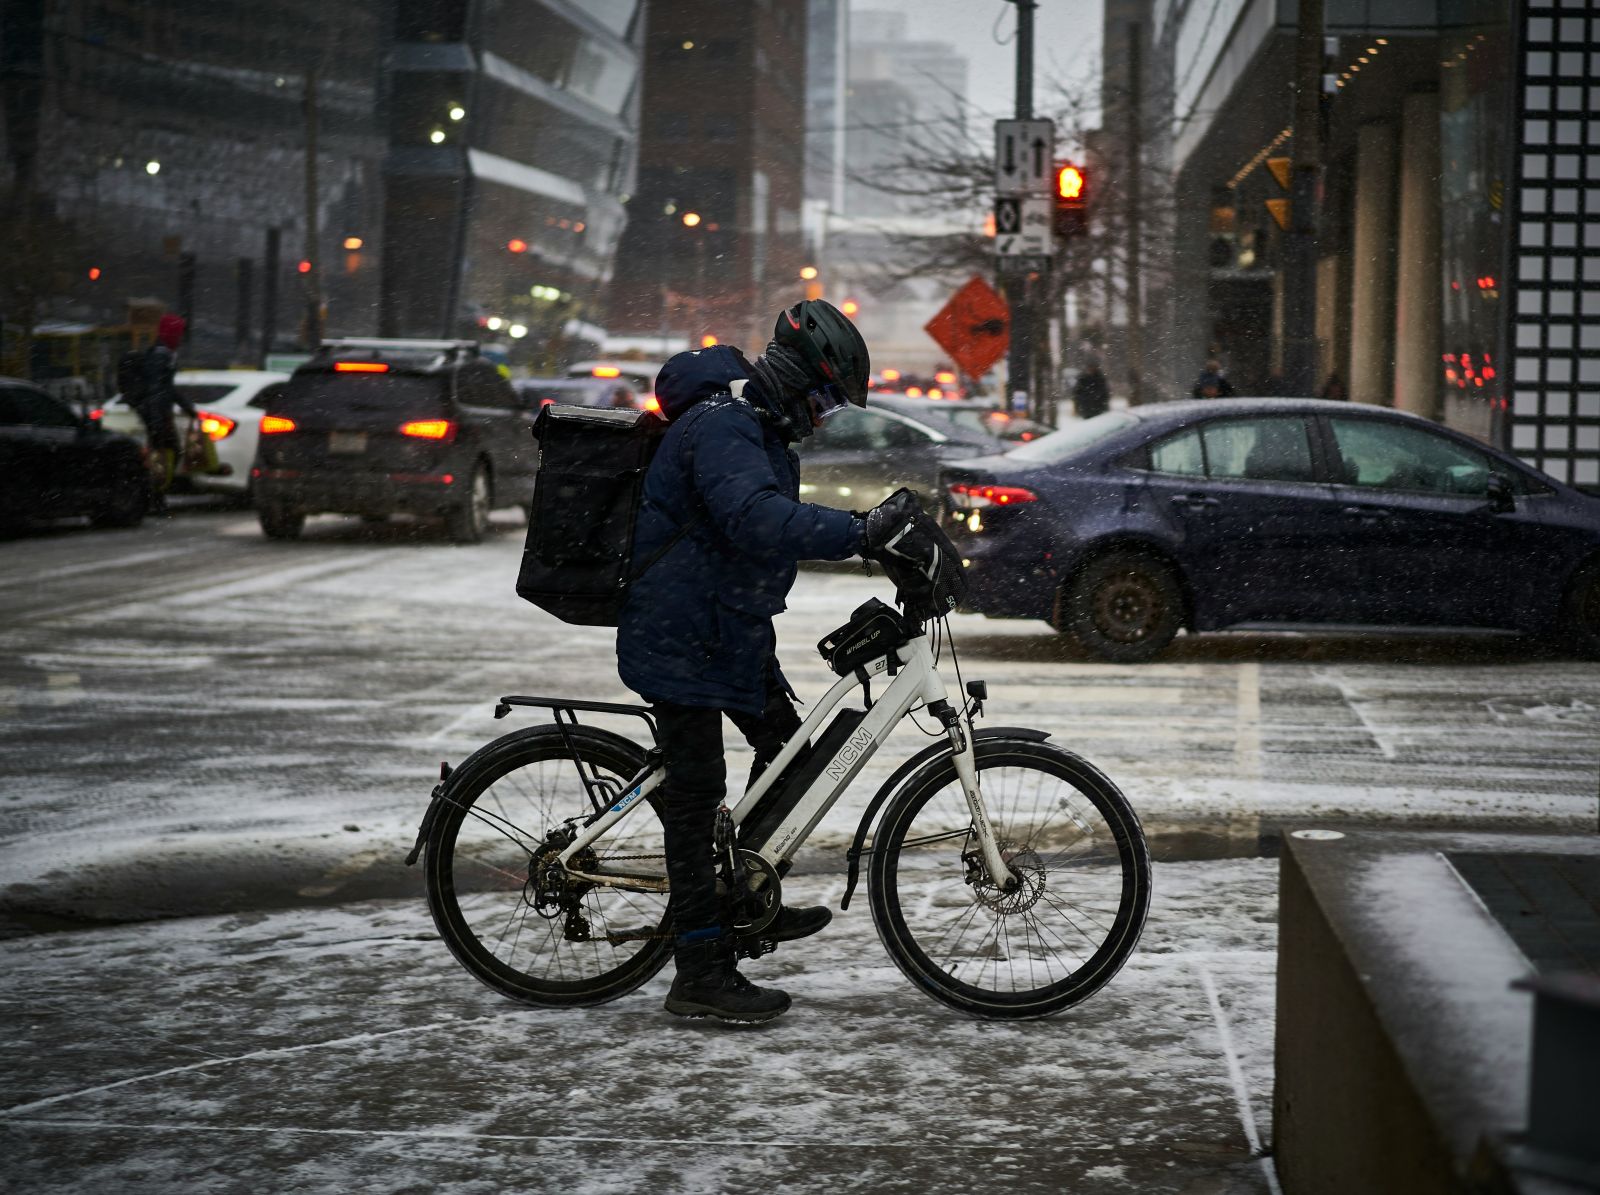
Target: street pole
313, 275
1135, 116
1019, 359
1300, 266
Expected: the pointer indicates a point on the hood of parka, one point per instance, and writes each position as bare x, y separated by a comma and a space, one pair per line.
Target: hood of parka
689, 377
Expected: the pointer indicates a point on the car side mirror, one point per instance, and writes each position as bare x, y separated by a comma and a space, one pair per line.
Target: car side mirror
1502, 498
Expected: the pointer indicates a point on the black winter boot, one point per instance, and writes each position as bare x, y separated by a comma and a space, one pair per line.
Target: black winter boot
708, 984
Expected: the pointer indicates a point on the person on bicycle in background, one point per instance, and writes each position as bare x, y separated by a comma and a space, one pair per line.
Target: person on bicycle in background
154, 400
695, 636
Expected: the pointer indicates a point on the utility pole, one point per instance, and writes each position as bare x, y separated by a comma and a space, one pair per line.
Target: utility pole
1300, 265
1019, 359
1135, 110
314, 274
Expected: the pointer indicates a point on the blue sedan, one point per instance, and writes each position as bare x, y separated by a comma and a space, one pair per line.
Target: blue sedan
1130, 526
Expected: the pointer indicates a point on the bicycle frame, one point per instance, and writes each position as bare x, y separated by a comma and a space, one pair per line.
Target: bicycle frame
916, 680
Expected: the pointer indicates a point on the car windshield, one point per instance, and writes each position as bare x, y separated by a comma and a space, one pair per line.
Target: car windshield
332, 393
1073, 438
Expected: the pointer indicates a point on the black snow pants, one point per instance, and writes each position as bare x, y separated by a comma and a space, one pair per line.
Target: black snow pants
696, 783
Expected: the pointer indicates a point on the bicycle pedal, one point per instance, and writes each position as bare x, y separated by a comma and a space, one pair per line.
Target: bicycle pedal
753, 947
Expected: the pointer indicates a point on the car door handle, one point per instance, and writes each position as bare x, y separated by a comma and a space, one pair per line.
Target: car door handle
1365, 513
1193, 501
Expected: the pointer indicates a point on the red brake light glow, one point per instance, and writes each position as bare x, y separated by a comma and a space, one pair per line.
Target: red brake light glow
96, 415
429, 429
360, 367
993, 495
652, 403
275, 423
215, 426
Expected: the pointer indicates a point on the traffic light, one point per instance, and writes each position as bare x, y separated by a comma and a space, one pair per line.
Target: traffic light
1072, 200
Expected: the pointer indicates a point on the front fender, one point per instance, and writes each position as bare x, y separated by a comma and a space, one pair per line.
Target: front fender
904, 772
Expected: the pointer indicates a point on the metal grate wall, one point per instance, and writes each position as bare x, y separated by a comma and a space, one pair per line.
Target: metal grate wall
1555, 330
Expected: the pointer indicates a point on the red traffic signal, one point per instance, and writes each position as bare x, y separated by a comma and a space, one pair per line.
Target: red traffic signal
1072, 200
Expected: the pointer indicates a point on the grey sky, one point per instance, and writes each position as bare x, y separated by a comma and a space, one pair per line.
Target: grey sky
1066, 42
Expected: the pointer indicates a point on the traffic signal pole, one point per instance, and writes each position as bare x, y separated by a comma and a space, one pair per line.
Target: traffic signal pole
1019, 358
1300, 272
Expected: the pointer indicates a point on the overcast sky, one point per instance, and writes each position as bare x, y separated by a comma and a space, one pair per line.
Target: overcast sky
1066, 43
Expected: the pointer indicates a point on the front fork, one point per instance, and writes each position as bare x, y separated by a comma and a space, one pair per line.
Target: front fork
966, 761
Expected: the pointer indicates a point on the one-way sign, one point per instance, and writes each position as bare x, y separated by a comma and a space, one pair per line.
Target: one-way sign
1024, 154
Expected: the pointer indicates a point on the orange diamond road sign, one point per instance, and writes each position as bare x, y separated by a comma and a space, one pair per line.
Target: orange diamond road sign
974, 327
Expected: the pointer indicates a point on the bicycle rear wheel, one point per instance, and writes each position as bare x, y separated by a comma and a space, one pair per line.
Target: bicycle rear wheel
1071, 839
512, 920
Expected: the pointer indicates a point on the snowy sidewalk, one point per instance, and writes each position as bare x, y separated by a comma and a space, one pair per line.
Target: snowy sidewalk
343, 1049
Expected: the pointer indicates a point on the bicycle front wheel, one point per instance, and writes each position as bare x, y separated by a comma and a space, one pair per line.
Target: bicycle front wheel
1070, 838
505, 909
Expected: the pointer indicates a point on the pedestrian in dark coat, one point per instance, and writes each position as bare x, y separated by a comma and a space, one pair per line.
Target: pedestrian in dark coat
695, 635
1212, 383
1091, 394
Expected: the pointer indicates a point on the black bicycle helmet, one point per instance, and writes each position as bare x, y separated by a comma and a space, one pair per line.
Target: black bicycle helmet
830, 344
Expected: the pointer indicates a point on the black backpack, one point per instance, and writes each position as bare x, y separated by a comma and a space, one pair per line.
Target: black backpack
131, 376
578, 560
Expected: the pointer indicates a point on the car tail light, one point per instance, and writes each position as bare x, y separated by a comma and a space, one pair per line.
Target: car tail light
215, 426
271, 424
429, 429
360, 367
652, 403
991, 495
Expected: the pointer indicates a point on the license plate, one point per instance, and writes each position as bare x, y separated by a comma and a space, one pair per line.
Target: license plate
347, 443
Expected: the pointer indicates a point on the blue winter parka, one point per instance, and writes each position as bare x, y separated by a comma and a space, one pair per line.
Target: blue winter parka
696, 628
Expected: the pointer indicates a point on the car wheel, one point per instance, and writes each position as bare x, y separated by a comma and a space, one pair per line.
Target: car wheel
1580, 612
468, 521
125, 507
1124, 607
281, 524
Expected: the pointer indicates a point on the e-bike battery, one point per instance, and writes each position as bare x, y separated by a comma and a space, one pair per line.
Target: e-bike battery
779, 801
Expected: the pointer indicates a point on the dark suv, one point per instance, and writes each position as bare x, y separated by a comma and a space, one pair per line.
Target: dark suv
382, 427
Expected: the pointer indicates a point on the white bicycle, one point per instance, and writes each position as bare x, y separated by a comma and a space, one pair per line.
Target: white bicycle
1008, 877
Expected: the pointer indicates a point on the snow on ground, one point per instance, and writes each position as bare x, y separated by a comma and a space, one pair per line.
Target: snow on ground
343, 1049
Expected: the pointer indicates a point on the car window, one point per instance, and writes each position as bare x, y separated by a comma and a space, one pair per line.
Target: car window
29, 408
856, 430
1180, 454
1392, 456
266, 396
1059, 445
203, 394
335, 393
1269, 449
482, 386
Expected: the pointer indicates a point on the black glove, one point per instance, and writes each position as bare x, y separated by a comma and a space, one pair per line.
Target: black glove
917, 556
896, 534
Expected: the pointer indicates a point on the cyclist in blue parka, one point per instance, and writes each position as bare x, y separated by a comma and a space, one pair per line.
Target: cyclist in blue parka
695, 636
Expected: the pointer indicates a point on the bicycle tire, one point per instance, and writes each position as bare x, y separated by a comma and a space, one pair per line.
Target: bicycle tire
478, 872
927, 893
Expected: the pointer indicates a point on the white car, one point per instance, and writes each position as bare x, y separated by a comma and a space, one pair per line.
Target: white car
231, 403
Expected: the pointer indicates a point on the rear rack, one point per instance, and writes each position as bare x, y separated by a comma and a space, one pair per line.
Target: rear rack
565, 705
599, 795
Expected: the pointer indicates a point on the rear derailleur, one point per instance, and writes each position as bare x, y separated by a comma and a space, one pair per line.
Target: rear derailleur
552, 891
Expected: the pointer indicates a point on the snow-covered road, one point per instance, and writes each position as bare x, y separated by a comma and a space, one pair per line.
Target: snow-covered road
192, 712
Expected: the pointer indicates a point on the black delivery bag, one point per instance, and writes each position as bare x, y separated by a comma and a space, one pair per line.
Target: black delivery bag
578, 560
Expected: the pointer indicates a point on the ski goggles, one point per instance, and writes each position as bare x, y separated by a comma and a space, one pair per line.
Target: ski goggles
827, 401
